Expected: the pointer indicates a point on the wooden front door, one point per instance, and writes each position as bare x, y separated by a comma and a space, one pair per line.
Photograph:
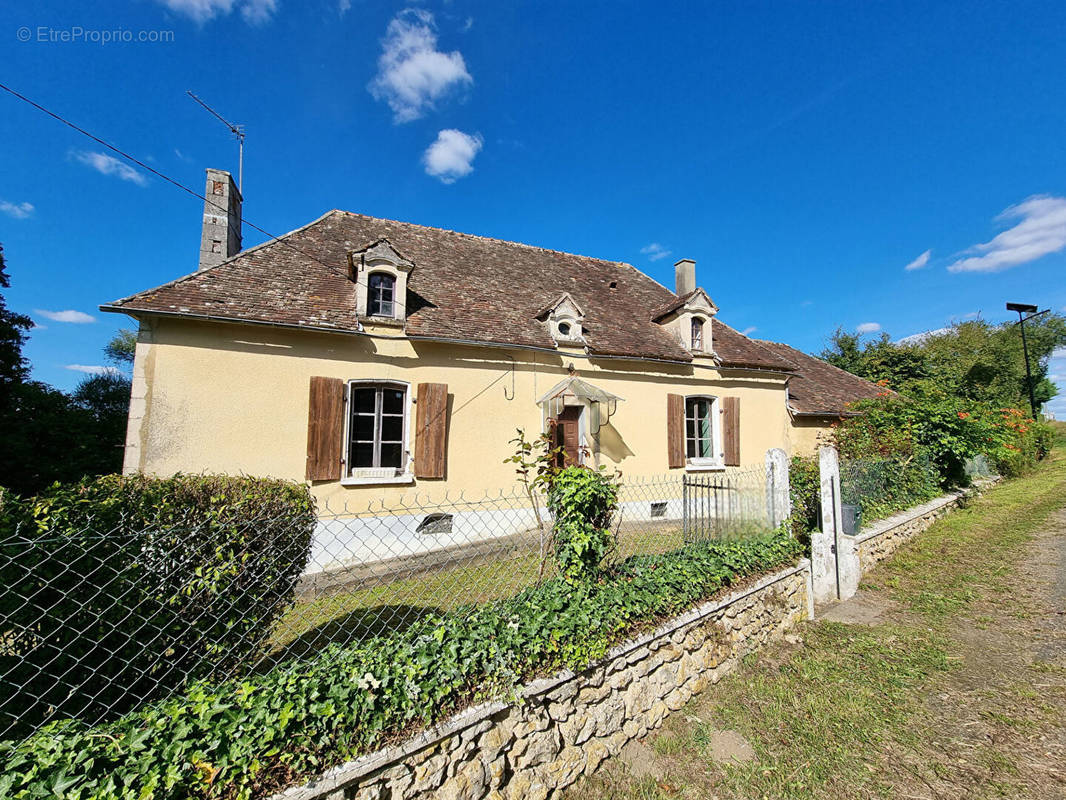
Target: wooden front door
567, 436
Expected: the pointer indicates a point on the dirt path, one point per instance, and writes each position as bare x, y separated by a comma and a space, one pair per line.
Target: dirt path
884, 699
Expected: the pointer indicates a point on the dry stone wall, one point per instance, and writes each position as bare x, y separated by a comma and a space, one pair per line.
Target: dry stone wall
882, 539
565, 726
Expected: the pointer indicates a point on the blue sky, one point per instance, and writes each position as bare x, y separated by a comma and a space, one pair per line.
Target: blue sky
803, 153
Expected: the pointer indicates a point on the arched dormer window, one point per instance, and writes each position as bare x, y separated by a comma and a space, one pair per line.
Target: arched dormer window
381, 299
697, 334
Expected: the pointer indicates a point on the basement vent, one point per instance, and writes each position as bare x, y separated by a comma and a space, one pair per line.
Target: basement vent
658, 509
432, 524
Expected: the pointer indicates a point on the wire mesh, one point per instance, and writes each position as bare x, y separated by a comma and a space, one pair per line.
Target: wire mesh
95, 622
881, 487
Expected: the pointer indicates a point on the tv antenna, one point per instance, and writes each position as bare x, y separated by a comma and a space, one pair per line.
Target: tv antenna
236, 130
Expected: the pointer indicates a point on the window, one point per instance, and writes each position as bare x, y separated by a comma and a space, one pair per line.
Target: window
699, 428
376, 426
564, 330
382, 295
697, 333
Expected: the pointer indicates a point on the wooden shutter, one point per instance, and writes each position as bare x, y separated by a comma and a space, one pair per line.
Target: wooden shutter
675, 430
731, 430
325, 429
431, 430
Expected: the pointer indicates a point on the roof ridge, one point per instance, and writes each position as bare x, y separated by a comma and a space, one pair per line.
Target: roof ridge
498, 241
820, 359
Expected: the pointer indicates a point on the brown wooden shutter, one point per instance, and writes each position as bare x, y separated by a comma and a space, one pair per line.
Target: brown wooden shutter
675, 430
325, 429
731, 430
431, 430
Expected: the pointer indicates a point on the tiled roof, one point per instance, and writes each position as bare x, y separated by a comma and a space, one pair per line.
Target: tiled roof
818, 387
462, 287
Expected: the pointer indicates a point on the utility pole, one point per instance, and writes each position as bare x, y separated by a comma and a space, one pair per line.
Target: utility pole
1022, 309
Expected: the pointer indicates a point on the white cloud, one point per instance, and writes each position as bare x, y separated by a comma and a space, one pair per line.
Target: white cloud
258, 12
868, 327
655, 251
919, 262
109, 165
749, 330
451, 156
1059, 352
93, 369
343, 6
412, 73
255, 12
77, 317
918, 338
1040, 231
16, 210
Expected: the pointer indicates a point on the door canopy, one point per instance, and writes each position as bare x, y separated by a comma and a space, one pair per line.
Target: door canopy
576, 392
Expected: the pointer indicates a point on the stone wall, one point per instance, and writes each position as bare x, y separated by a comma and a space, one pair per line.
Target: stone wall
567, 725
883, 538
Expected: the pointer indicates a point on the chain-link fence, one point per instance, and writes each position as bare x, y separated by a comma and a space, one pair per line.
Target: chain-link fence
879, 488
95, 622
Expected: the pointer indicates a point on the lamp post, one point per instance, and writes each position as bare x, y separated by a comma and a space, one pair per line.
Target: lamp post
1022, 309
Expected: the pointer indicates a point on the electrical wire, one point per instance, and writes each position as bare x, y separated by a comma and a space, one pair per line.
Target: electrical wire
244, 221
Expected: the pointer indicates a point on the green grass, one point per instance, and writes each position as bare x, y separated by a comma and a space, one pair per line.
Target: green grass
831, 719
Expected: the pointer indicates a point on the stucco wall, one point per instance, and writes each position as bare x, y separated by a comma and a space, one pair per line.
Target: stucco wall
805, 433
566, 726
233, 398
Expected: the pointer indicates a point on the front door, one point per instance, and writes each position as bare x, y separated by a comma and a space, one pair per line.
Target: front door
568, 436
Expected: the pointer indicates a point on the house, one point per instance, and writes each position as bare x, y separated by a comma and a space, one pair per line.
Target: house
819, 395
375, 358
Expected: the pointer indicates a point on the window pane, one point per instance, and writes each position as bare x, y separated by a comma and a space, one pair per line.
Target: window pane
690, 448
363, 427
391, 454
392, 401
362, 454
391, 429
363, 400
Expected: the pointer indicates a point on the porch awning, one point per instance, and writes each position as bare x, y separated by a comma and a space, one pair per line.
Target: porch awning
574, 391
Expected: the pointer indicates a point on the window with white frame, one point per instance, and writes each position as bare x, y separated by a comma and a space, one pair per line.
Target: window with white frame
697, 334
377, 426
381, 295
701, 429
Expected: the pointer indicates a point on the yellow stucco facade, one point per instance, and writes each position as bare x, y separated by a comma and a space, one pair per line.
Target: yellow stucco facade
233, 398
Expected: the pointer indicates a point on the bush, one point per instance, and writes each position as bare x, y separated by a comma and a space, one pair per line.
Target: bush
582, 502
245, 737
118, 589
805, 495
881, 487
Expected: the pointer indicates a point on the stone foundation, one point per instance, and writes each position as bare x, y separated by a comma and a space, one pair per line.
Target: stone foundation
567, 725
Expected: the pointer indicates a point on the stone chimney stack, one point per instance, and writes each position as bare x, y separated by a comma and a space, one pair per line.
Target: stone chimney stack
685, 276
221, 237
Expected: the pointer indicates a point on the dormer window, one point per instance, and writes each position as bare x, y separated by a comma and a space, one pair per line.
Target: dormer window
382, 294
565, 320
697, 334
380, 275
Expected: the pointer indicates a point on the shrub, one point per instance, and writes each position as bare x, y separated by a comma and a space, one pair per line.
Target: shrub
805, 495
582, 502
881, 487
245, 737
119, 588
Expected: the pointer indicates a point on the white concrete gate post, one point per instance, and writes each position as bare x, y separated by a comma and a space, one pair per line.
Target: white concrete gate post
834, 558
778, 502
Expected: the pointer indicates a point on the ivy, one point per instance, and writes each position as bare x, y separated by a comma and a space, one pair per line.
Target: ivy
247, 737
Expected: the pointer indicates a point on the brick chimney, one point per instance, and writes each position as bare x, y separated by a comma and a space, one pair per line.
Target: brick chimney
221, 237
685, 276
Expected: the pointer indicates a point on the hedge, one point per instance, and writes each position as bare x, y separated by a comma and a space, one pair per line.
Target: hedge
119, 589
245, 738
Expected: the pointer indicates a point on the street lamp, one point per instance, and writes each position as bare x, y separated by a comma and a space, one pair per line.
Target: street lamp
1022, 309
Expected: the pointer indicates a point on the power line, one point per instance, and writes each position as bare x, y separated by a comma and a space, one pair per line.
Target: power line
168, 179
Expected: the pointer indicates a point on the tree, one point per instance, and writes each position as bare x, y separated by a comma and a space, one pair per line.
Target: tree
121, 348
975, 360
13, 366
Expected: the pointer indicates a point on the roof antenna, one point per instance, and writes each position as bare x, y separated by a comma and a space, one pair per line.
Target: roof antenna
236, 130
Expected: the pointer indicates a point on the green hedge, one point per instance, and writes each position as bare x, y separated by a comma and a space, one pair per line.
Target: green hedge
244, 738
121, 588
881, 487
